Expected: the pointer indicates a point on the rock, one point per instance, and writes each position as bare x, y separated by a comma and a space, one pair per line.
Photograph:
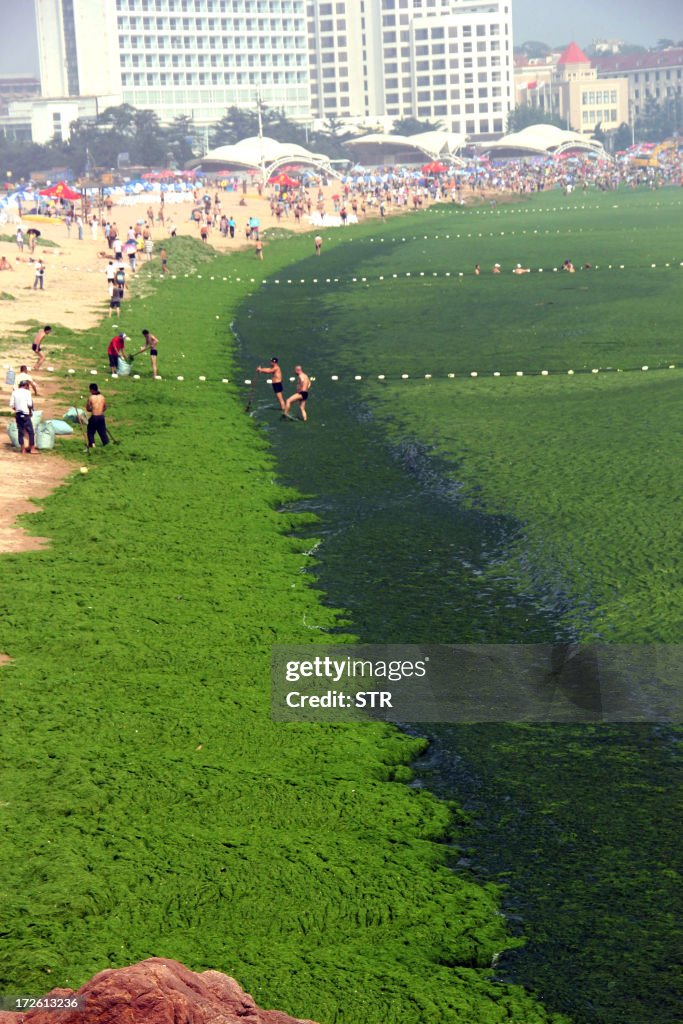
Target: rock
156, 991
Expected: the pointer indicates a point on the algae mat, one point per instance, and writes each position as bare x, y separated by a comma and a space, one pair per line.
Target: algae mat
148, 806
517, 509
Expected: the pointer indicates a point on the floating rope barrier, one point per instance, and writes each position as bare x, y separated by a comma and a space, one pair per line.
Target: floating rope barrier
388, 378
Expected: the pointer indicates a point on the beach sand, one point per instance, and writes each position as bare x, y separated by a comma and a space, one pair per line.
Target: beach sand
76, 296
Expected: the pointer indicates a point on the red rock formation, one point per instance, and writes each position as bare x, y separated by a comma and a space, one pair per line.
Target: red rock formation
156, 991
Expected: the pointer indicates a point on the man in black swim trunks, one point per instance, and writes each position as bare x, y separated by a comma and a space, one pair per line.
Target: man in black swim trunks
275, 372
38, 339
303, 385
152, 344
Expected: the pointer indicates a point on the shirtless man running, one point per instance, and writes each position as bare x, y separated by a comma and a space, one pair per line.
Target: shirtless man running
275, 372
303, 386
38, 339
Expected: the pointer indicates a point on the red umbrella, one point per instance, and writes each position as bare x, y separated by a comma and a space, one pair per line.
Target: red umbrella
434, 168
282, 179
60, 191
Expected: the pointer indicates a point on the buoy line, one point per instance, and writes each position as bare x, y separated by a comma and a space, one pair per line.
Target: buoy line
381, 377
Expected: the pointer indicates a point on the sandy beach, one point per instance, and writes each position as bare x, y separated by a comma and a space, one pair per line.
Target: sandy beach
76, 296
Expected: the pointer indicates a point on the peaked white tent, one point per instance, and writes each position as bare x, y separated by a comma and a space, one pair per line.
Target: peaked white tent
263, 154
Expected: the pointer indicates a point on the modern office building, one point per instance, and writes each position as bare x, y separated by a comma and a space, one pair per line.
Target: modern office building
193, 57
440, 60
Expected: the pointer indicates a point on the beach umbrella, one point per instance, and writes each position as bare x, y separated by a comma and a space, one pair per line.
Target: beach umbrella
60, 191
434, 168
283, 180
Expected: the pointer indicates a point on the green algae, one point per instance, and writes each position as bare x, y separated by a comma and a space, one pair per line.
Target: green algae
580, 824
148, 806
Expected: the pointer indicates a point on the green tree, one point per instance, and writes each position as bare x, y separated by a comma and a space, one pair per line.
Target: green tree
656, 121
179, 137
623, 137
148, 145
523, 116
236, 124
533, 48
413, 126
330, 139
121, 119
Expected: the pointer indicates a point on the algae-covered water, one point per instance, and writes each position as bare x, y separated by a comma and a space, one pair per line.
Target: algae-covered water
579, 823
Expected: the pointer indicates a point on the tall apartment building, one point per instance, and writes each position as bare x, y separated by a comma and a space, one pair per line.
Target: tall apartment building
441, 60
194, 57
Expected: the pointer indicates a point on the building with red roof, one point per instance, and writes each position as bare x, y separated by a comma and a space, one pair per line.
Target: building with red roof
568, 87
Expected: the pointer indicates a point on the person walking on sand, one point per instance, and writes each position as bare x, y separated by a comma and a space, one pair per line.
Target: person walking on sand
21, 404
39, 279
152, 344
37, 344
96, 406
275, 372
303, 386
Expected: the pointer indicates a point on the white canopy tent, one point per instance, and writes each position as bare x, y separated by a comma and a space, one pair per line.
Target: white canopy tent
544, 140
378, 148
265, 155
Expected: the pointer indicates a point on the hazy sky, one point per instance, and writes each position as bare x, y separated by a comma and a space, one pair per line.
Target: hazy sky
551, 21
635, 21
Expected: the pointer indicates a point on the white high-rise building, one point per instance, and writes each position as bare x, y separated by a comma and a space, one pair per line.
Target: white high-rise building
193, 57
78, 48
440, 60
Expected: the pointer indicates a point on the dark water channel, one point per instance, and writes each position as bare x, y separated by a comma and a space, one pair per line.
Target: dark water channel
411, 564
